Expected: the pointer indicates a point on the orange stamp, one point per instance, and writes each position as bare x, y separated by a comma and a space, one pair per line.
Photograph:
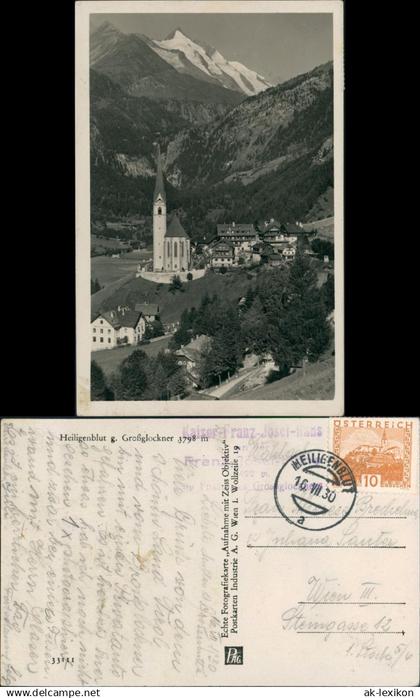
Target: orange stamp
378, 451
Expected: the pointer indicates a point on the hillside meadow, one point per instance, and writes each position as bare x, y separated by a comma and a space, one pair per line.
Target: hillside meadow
110, 359
108, 269
138, 290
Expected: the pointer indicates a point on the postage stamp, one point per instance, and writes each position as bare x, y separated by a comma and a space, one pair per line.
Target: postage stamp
315, 490
377, 450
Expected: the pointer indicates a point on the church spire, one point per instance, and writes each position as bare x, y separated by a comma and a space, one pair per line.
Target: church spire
159, 186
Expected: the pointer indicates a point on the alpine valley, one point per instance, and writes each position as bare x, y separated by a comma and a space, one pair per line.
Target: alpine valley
235, 147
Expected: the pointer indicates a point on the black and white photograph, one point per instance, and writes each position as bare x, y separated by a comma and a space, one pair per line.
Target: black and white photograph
209, 217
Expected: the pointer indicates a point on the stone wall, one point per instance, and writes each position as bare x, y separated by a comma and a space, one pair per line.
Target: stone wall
163, 277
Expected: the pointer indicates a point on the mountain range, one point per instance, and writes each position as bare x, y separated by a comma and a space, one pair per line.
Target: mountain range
262, 134
129, 59
232, 142
130, 62
206, 63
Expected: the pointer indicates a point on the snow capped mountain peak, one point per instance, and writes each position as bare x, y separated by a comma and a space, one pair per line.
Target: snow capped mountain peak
201, 60
178, 31
251, 76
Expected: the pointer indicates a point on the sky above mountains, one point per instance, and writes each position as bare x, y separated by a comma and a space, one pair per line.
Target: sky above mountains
278, 46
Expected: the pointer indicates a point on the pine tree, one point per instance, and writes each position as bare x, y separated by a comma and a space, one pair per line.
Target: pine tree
176, 284
203, 317
302, 330
157, 381
254, 328
130, 382
206, 368
226, 345
176, 382
183, 333
271, 291
95, 286
98, 386
154, 329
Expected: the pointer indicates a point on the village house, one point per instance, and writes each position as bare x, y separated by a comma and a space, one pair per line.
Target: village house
202, 243
271, 231
150, 311
190, 356
239, 244
294, 231
117, 327
280, 234
289, 252
171, 327
275, 260
261, 252
222, 254
241, 235
256, 252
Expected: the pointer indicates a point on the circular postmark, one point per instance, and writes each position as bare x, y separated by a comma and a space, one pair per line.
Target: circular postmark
315, 490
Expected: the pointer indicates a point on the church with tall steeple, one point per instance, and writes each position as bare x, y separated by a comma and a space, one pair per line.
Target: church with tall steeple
171, 244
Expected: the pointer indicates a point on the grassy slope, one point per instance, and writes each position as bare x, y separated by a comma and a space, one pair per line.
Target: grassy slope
109, 359
230, 287
316, 384
99, 299
107, 270
324, 226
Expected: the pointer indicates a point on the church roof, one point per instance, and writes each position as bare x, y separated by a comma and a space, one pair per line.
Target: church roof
175, 229
159, 186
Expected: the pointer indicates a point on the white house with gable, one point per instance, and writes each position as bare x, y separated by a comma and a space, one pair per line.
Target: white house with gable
116, 328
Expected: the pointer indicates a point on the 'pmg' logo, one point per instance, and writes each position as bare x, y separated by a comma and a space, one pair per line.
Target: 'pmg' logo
234, 655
